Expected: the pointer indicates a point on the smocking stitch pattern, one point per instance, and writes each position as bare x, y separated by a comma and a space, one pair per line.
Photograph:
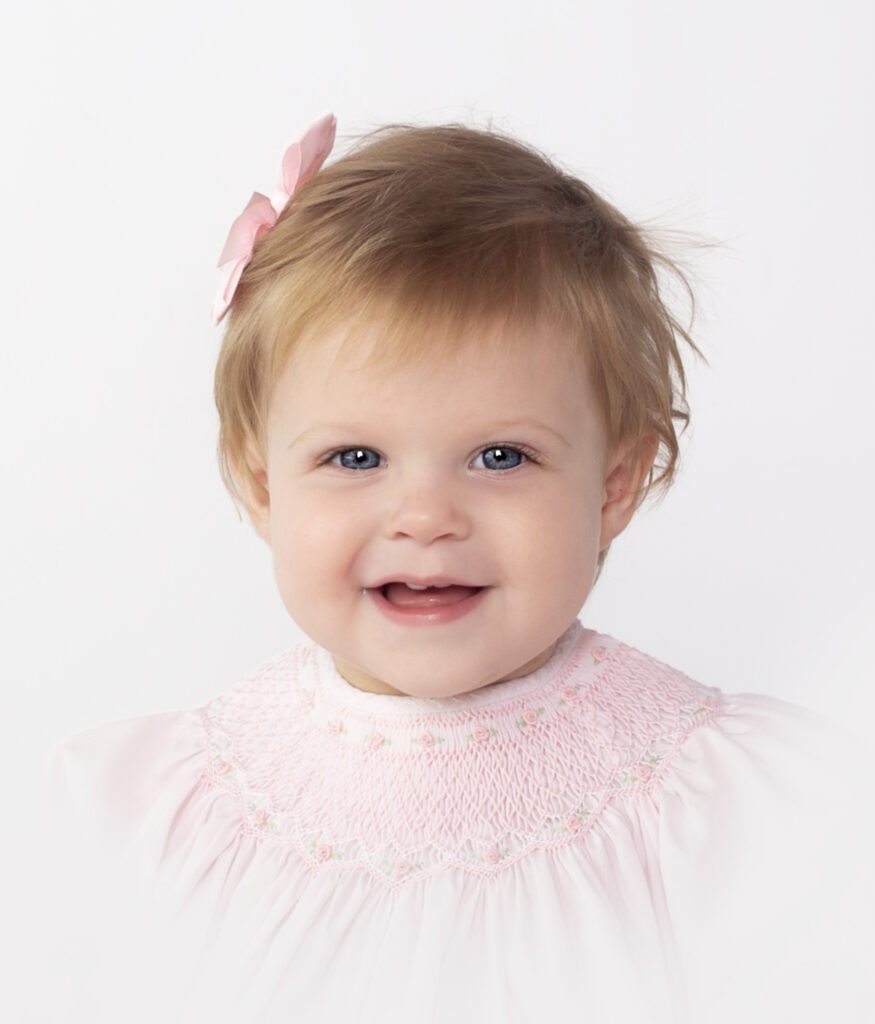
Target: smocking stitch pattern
471, 783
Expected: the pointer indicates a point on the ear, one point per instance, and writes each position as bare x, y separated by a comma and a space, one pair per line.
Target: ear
253, 487
625, 474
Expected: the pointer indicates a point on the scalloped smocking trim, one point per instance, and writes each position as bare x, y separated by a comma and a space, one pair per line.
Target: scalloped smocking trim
405, 797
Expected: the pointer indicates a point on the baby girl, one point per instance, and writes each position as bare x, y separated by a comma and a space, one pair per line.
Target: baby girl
448, 380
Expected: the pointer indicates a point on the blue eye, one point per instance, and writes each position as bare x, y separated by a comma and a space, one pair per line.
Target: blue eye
356, 458
500, 457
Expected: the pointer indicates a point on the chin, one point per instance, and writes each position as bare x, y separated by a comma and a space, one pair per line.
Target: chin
447, 685
444, 690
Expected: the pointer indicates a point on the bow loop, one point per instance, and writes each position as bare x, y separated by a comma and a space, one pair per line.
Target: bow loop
258, 216
301, 160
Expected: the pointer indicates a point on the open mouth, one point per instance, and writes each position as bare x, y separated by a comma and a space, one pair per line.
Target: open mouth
414, 604
412, 595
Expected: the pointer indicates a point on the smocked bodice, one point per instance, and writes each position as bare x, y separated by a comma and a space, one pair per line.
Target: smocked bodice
404, 787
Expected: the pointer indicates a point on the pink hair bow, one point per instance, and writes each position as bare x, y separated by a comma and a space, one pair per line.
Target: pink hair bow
300, 161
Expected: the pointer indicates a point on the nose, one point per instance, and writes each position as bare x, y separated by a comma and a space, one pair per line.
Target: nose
428, 513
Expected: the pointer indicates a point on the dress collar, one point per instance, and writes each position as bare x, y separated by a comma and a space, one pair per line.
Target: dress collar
333, 690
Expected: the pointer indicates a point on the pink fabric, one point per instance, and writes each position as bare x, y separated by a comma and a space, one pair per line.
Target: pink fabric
301, 160
604, 840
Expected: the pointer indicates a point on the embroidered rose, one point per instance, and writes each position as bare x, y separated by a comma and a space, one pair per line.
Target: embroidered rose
259, 819
323, 853
643, 773
402, 868
599, 654
426, 739
480, 733
335, 728
492, 855
375, 740
573, 824
569, 693
530, 716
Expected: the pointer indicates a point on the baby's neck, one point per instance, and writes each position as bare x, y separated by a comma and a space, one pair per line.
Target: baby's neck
362, 680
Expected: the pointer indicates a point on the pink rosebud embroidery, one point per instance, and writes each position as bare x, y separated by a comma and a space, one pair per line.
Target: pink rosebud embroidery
530, 716
492, 855
643, 773
569, 693
599, 653
222, 768
323, 853
480, 733
426, 739
335, 728
573, 824
402, 867
375, 740
259, 818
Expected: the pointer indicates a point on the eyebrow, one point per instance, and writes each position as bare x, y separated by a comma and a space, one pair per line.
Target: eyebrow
501, 426
495, 429
328, 428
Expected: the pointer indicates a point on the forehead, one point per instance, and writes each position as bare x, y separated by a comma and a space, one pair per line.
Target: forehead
486, 375
376, 356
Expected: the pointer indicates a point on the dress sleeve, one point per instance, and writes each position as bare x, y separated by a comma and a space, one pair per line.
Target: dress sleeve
766, 854
112, 797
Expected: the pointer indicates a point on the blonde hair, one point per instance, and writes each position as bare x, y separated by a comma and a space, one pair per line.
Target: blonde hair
456, 226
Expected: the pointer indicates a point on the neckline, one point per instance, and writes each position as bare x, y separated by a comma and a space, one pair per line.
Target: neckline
336, 691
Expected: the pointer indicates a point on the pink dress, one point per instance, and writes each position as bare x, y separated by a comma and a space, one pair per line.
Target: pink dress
603, 840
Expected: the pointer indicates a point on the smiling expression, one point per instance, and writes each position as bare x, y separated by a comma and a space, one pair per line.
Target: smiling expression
482, 475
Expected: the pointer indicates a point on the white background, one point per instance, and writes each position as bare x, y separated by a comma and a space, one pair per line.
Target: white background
135, 134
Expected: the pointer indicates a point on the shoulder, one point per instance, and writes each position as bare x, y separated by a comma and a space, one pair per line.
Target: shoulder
638, 687
665, 718
640, 709
119, 781
100, 780
641, 689
113, 770
761, 838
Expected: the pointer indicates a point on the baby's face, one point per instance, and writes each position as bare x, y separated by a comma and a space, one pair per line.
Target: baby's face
485, 470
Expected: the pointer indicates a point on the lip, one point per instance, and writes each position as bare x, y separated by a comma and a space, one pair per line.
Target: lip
422, 616
422, 581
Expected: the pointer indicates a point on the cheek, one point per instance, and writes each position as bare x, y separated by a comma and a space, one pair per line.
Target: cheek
314, 542
570, 545
563, 544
